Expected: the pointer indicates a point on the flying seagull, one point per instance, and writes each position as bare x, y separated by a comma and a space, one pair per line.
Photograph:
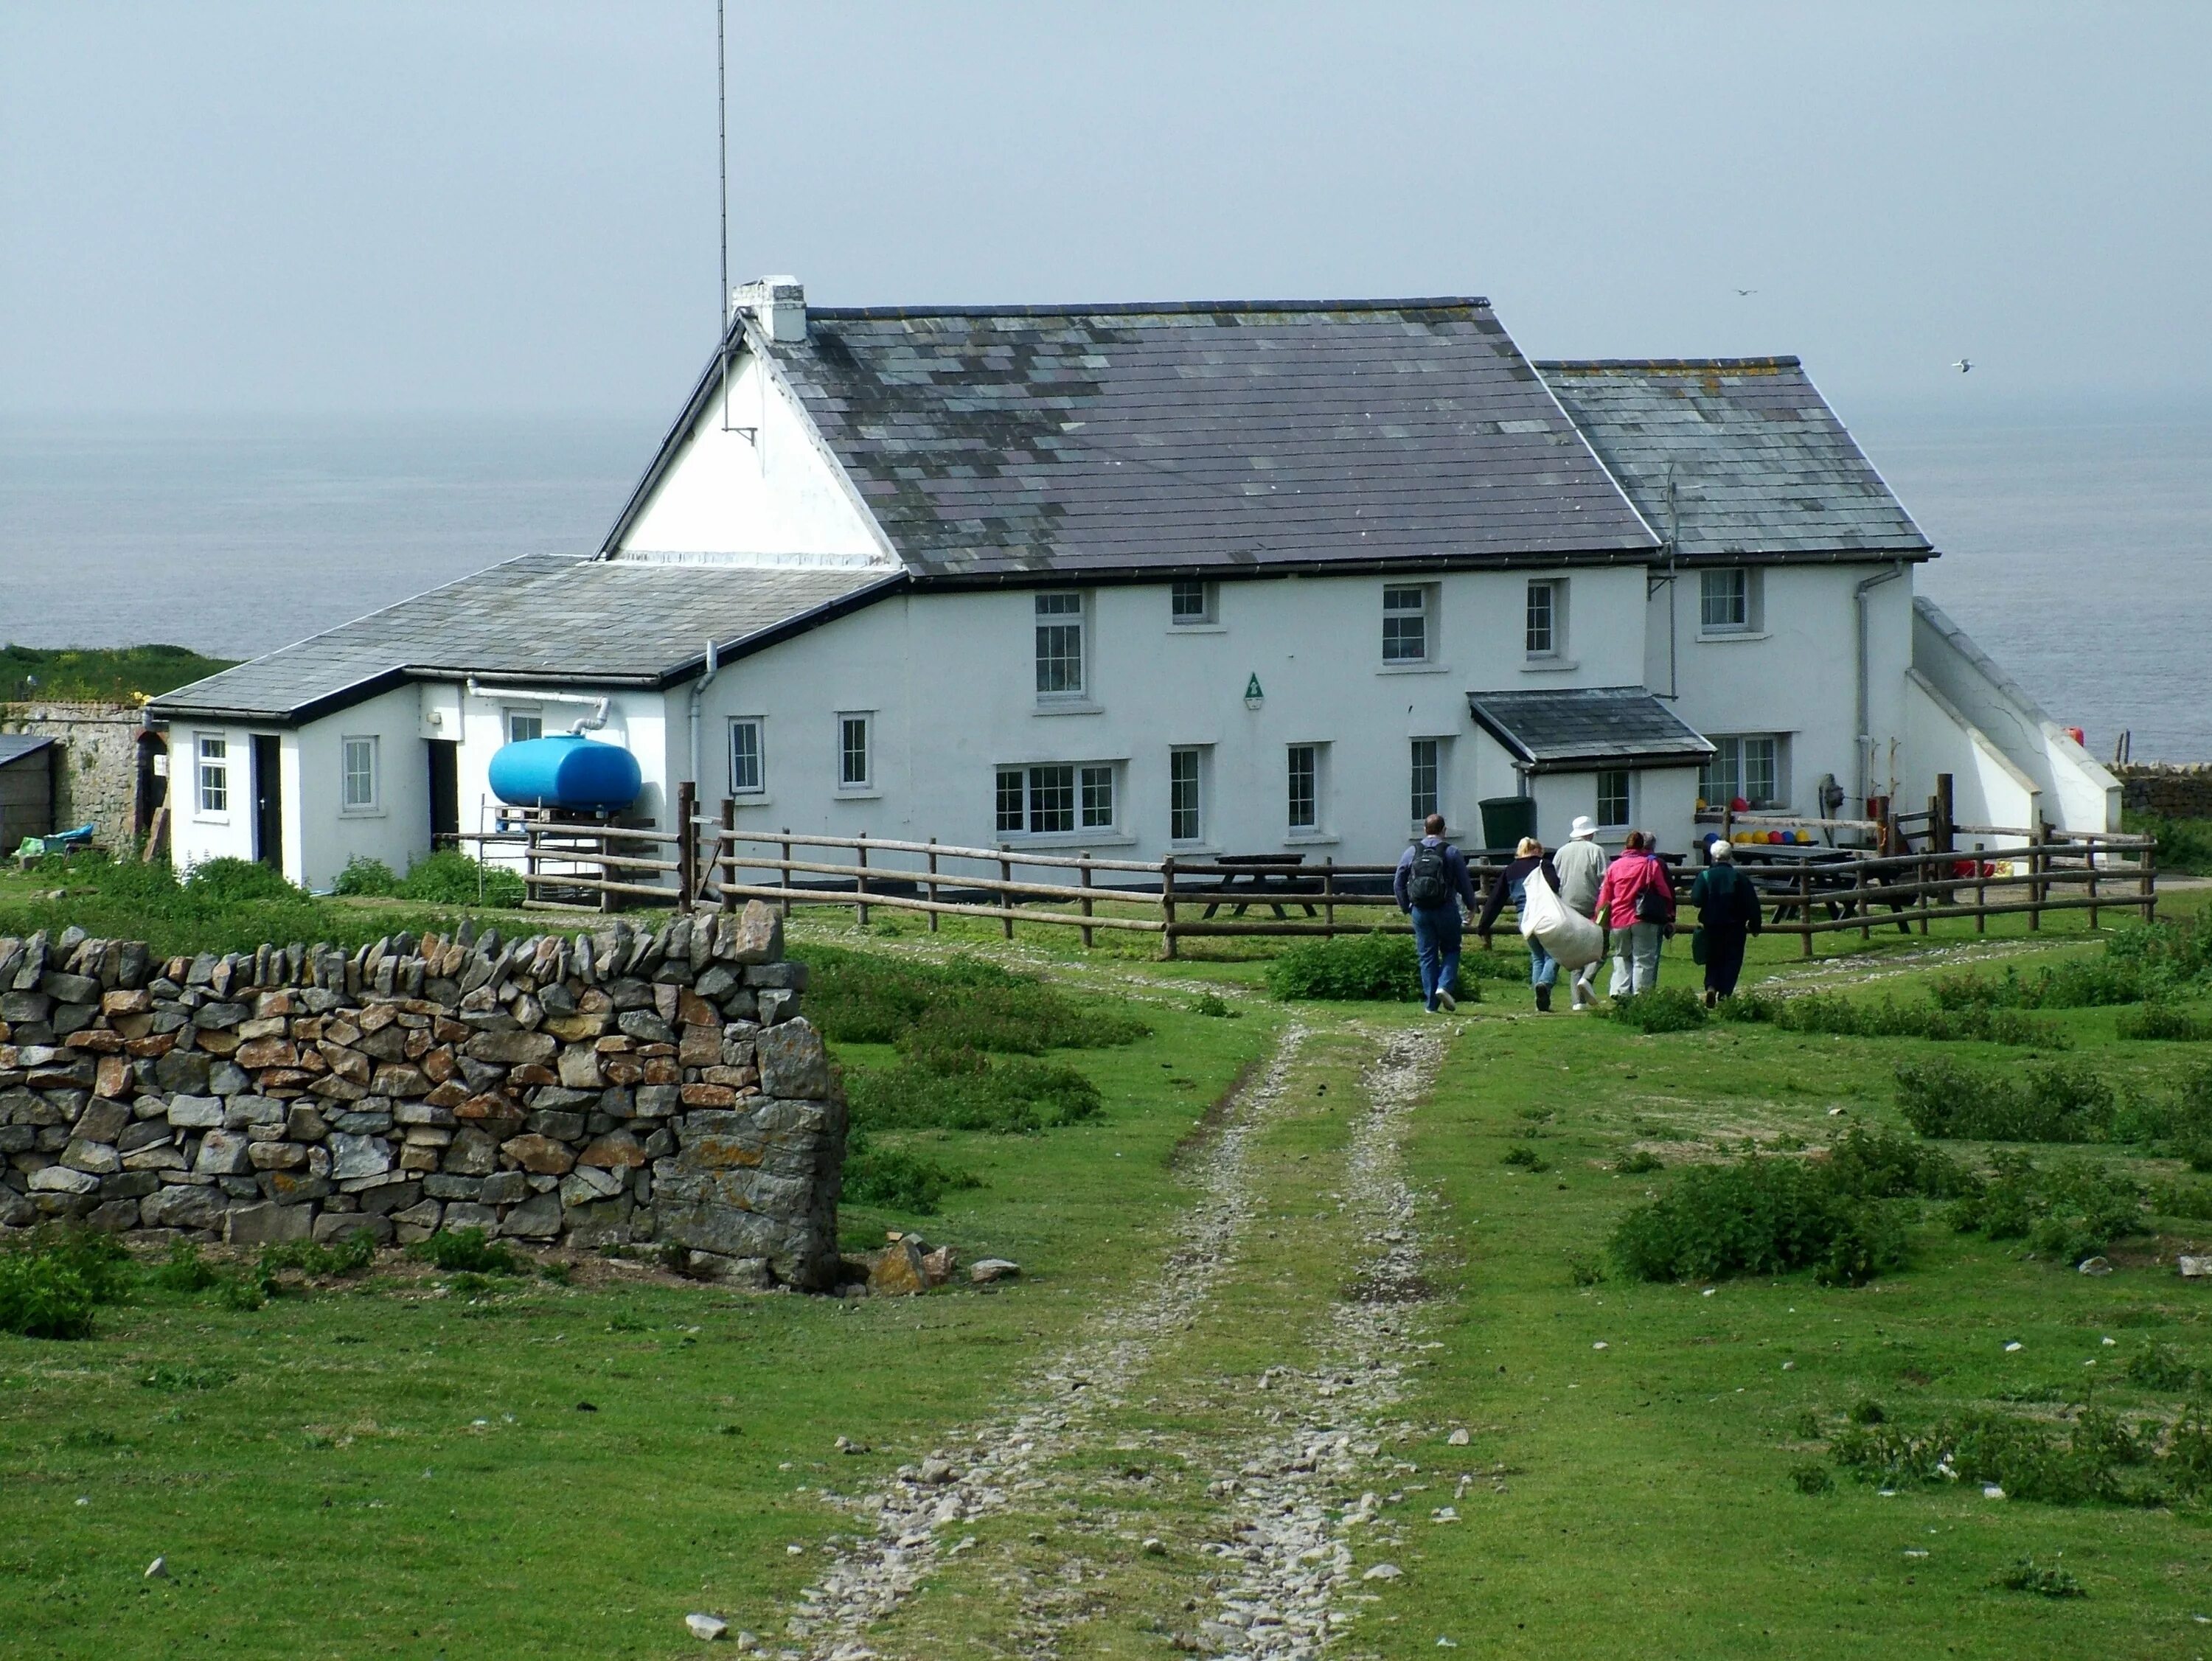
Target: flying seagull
1964, 366
1741, 292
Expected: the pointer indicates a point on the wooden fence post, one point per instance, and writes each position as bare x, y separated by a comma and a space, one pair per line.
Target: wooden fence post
932, 883
1167, 907
2150, 879
1860, 898
2090, 842
1981, 893
1328, 897
1088, 934
726, 854
860, 880
1805, 910
1007, 894
687, 845
609, 900
786, 870
2035, 877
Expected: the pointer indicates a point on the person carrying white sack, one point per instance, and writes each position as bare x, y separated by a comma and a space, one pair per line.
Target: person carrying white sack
1581, 865
1512, 884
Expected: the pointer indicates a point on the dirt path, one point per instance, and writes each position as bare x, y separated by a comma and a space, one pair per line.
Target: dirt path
1006, 1461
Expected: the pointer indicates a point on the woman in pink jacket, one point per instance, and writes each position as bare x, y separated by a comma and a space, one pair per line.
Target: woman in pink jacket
1636, 901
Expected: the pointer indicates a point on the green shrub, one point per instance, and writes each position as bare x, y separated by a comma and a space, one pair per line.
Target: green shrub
347, 1256
175, 1380
2068, 1211
1830, 1012
2093, 1460
2161, 1366
364, 875
1812, 1477
2053, 1103
185, 1270
1522, 1157
1867, 1411
943, 1087
1662, 1009
897, 1180
239, 881
2164, 1022
450, 877
1213, 1004
1639, 1163
51, 1281
1375, 968
467, 1251
2027, 1575
1757, 1215
1885, 1164
863, 997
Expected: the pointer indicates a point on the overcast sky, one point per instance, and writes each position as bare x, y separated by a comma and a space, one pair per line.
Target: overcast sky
488, 206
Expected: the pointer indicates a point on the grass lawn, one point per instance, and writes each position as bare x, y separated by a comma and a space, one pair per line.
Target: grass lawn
404, 1465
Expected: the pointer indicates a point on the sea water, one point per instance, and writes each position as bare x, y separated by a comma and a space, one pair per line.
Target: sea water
2077, 548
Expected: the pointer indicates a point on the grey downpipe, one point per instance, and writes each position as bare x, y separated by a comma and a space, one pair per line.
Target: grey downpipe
698, 691
1865, 720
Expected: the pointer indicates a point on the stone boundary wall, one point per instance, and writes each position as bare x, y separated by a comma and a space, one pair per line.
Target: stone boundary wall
98, 779
591, 1089
2169, 789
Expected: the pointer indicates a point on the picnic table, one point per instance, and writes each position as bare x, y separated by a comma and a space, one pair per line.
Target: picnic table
1270, 878
1789, 872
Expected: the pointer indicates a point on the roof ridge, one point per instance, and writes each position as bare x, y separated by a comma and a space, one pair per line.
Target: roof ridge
1572, 366
1139, 307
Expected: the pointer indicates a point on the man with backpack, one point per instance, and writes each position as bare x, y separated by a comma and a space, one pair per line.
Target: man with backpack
1433, 889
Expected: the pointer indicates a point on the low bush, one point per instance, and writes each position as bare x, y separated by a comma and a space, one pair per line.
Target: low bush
1758, 1216
239, 881
1812, 1477
2185, 846
2052, 1103
2161, 1366
2068, 1211
46, 1294
364, 875
2096, 1458
318, 1260
1361, 968
467, 1251
897, 1180
2189, 1201
2164, 1022
2077, 984
938, 1086
1662, 1009
1829, 1012
1885, 1164
450, 877
185, 1270
1639, 1163
864, 997
2026, 1575
1522, 1157
1213, 1004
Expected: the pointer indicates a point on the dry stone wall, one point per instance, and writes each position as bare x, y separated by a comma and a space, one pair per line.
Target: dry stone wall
98, 781
595, 1088
2169, 789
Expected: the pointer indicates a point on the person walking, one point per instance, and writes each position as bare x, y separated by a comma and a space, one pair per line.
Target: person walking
1636, 901
1513, 884
1433, 889
1581, 865
1728, 915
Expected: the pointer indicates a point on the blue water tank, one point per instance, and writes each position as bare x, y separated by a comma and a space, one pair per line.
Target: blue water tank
569, 770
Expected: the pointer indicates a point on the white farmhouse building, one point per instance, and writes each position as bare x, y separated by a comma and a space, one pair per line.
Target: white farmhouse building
1183, 578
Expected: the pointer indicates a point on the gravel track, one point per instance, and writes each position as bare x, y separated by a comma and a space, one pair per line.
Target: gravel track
1006, 1460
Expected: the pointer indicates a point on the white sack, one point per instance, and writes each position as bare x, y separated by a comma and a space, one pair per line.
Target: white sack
1566, 934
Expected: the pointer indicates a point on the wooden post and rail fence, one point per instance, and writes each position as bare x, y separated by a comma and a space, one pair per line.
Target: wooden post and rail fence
1964, 870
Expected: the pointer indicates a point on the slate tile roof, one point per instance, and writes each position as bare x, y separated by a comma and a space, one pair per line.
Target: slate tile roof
1760, 464
543, 616
1125, 439
1572, 729
15, 746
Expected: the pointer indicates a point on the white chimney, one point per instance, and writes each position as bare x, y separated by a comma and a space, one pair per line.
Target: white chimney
778, 304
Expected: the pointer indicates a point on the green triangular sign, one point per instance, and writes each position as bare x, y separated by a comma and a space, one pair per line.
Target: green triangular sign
1252, 688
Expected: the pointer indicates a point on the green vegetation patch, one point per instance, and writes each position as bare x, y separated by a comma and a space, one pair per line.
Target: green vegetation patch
51, 1282
2067, 1210
1379, 968
2056, 1102
967, 1003
2098, 1458
896, 1180
447, 877
1889, 1017
100, 674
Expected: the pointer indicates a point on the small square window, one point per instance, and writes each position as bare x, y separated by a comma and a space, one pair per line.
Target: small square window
748, 768
1405, 625
854, 765
523, 724
1612, 806
358, 790
1546, 627
1185, 821
1190, 603
1725, 601
1427, 779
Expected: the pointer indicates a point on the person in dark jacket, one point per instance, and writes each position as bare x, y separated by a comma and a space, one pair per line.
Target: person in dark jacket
1729, 912
1513, 884
1433, 888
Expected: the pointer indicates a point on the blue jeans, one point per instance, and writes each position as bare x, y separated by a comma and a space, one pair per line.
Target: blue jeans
1543, 968
1436, 938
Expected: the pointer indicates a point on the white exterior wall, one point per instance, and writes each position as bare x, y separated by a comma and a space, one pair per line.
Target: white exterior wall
321, 834
950, 682
196, 837
1795, 673
638, 721
1986, 788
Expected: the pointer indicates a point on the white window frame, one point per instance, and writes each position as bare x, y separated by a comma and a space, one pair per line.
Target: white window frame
1191, 758
1628, 777
1423, 616
1059, 612
847, 784
1020, 804
1728, 764
510, 714
1435, 762
211, 768
758, 726
1208, 614
373, 807
1742, 611
1314, 827
1555, 646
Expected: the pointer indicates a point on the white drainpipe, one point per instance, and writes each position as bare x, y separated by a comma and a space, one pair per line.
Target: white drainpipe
698, 690
591, 723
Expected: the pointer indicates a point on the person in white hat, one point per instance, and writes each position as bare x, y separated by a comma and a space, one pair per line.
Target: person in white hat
1580, 865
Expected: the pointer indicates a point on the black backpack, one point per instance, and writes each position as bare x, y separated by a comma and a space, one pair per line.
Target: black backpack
1426, 884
